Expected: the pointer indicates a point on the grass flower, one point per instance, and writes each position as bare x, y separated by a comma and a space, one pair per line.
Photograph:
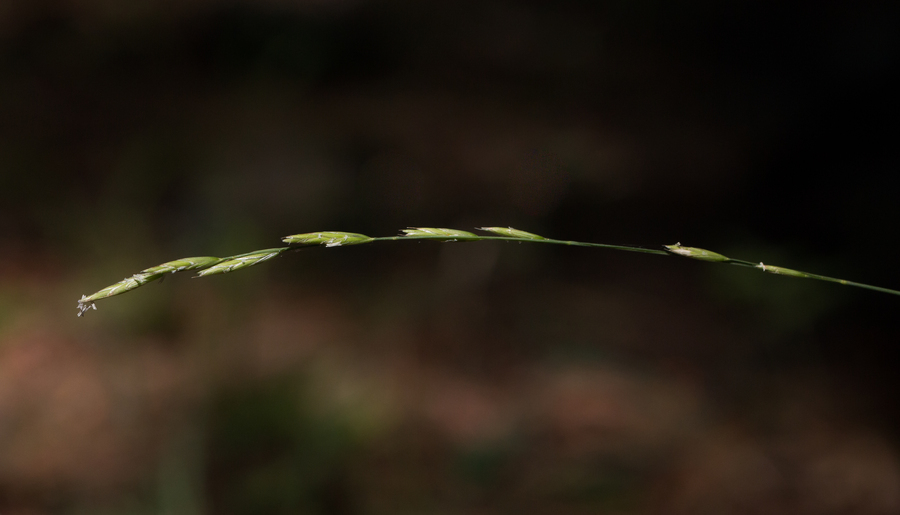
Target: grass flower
213, 265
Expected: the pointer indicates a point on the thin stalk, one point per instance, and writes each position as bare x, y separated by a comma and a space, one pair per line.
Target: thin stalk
627, 248
212, 265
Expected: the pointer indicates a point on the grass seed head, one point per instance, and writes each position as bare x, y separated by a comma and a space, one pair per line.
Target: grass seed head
436, 233
87, 301
248, 260
512, 233
781, 270
145, 276
213, 265
695, 253
327, 238
180, 265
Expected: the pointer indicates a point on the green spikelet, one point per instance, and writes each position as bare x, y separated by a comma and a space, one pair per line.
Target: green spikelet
180, 265
438, 234
784, 271
123, 286
237, 263
143, 277
695, 253
87, 302
512, 233
327, 238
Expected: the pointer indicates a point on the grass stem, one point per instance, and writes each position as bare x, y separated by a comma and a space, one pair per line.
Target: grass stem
213, 265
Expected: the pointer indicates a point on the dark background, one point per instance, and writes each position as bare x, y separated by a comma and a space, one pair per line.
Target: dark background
449, 378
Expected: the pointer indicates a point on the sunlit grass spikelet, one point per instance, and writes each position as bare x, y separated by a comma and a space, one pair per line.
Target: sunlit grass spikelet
180, 265
143, 277
244, 261
512, 233
781, 270
327, 238
438, 233
129, 283
695, 253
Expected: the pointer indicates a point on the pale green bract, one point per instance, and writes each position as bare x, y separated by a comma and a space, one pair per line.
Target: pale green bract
327, 238
245, 261
436, 233
781, 270
143, 277
213, 265
513, 233
180, 265
695, 253
87, 302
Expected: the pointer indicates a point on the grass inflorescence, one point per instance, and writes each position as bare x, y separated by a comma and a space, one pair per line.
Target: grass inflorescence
207, 265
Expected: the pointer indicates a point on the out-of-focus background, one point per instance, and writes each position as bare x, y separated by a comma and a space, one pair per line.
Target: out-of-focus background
449, 378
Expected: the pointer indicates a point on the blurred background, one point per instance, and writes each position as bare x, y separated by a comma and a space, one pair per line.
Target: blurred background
436, 378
